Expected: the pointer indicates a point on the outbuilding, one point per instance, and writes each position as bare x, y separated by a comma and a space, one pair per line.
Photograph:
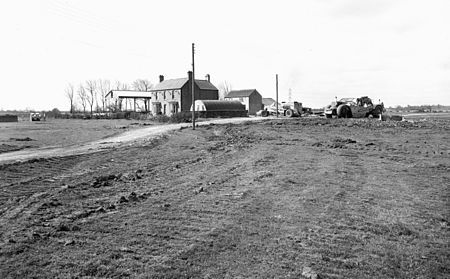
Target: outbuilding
128, 100
249, 97
216, 108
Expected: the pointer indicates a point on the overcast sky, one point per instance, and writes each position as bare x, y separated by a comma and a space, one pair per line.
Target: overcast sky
394, 50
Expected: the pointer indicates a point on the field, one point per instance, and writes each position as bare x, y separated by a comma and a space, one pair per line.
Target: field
427, 116
58, 133
340, 198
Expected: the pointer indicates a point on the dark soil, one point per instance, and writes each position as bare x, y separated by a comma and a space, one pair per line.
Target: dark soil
343, 198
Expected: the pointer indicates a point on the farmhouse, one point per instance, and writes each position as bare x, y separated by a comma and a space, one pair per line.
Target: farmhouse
128, 100
175, 95
249, 97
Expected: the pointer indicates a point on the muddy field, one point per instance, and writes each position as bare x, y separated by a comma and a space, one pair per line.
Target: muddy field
59, 132
276, 199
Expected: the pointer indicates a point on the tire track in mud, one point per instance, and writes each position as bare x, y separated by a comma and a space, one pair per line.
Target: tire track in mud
24, 179
35, 196
26, 186
329, 179
262, 209
261, 204
57, 188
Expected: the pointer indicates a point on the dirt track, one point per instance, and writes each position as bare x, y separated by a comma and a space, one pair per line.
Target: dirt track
347, 198
126, 137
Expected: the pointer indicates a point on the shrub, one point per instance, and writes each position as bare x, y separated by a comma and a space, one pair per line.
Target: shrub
161, 118
182, 117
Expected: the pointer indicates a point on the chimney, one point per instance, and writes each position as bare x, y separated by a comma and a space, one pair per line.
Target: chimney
161, 78
190, 75
208, 78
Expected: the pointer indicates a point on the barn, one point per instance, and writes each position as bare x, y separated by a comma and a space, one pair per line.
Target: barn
249, 97
174, 95
128, 100
216, 108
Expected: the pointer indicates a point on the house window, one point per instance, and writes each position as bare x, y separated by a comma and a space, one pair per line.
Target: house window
157, 108
173, 95
174, 108
164, 95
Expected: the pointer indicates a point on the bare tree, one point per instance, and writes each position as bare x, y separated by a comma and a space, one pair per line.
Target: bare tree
142, 85
83, 97
118, 85
104, 87
91, 87
224, 88
70, 94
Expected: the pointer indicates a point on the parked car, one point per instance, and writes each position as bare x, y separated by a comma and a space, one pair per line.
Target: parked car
354, 107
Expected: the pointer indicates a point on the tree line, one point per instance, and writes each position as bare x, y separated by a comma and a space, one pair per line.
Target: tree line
91, 94
421, 108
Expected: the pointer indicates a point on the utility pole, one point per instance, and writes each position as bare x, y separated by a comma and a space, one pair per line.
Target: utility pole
276, 79
193, 88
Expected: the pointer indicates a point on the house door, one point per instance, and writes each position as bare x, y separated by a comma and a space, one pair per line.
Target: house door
157, 108
174, 108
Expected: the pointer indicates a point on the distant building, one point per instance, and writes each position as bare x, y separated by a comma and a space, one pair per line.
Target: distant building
128, 100
175, 95
249, 97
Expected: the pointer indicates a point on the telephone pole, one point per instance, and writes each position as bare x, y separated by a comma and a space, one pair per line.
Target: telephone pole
193, 88
276, 79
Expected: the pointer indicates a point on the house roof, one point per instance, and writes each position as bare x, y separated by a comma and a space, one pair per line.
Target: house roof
128, 94
167, 84
216, 105
180, 82
205, 85
268, 101
241, 93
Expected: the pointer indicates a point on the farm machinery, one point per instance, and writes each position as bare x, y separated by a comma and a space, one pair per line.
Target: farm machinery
354, 107
35, 116
288, 109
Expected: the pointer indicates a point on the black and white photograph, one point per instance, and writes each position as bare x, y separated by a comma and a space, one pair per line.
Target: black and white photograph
225, 139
